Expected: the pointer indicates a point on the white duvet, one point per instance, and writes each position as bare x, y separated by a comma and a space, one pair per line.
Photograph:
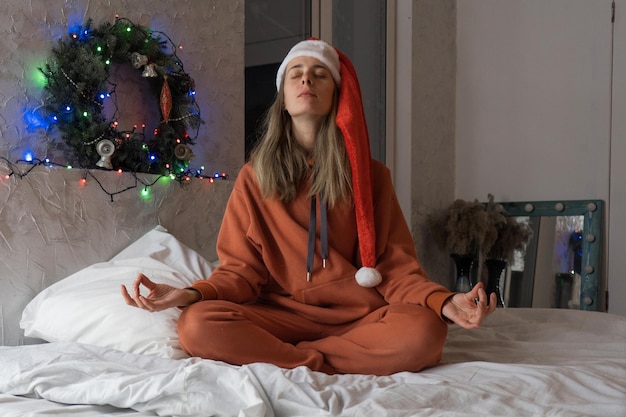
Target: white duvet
522, 362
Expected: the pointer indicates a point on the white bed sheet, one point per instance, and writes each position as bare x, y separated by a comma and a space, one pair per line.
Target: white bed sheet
522, 362
14, 406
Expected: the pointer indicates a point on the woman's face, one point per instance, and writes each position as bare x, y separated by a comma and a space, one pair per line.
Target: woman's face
308, 88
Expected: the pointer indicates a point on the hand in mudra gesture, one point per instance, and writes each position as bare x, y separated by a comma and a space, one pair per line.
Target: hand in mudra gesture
160, 297
470, 309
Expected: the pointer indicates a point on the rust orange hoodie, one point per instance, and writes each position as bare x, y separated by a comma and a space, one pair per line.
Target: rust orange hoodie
262, 248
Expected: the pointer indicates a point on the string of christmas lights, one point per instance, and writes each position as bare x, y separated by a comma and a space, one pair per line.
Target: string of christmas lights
182, 177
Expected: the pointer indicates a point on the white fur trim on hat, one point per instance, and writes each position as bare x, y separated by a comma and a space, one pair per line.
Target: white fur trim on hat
313, 48
368, 277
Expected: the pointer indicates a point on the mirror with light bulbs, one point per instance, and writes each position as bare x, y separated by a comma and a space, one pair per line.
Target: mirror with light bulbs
561, 264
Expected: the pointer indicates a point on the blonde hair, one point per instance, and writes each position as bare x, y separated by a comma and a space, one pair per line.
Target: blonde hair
281, 164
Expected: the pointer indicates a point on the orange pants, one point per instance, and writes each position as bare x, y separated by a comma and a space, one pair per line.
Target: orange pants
393, 338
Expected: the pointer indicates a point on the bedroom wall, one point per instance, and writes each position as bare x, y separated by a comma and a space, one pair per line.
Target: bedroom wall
51, 224
539, 109
50, 213
617, 221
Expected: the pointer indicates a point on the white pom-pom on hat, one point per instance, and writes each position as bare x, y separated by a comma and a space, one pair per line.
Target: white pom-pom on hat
368, 277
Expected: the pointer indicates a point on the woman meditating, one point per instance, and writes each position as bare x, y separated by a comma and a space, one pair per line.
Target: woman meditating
317, 265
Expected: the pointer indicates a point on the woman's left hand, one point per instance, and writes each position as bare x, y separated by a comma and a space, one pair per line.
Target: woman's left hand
468, 310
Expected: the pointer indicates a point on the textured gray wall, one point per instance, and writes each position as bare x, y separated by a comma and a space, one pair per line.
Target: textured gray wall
50, 224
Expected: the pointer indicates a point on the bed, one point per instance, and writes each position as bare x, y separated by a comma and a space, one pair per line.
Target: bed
96, 357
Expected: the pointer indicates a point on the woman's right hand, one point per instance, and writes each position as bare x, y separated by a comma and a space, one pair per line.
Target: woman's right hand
160, 297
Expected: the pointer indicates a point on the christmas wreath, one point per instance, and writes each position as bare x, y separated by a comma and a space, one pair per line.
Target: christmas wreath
78, 84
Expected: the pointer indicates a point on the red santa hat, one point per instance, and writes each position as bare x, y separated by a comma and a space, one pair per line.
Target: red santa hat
351, 121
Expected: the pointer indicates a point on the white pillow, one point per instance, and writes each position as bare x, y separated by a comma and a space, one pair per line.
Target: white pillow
87, 307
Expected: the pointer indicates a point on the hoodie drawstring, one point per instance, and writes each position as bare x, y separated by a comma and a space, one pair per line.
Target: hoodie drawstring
323, 235
324, 231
